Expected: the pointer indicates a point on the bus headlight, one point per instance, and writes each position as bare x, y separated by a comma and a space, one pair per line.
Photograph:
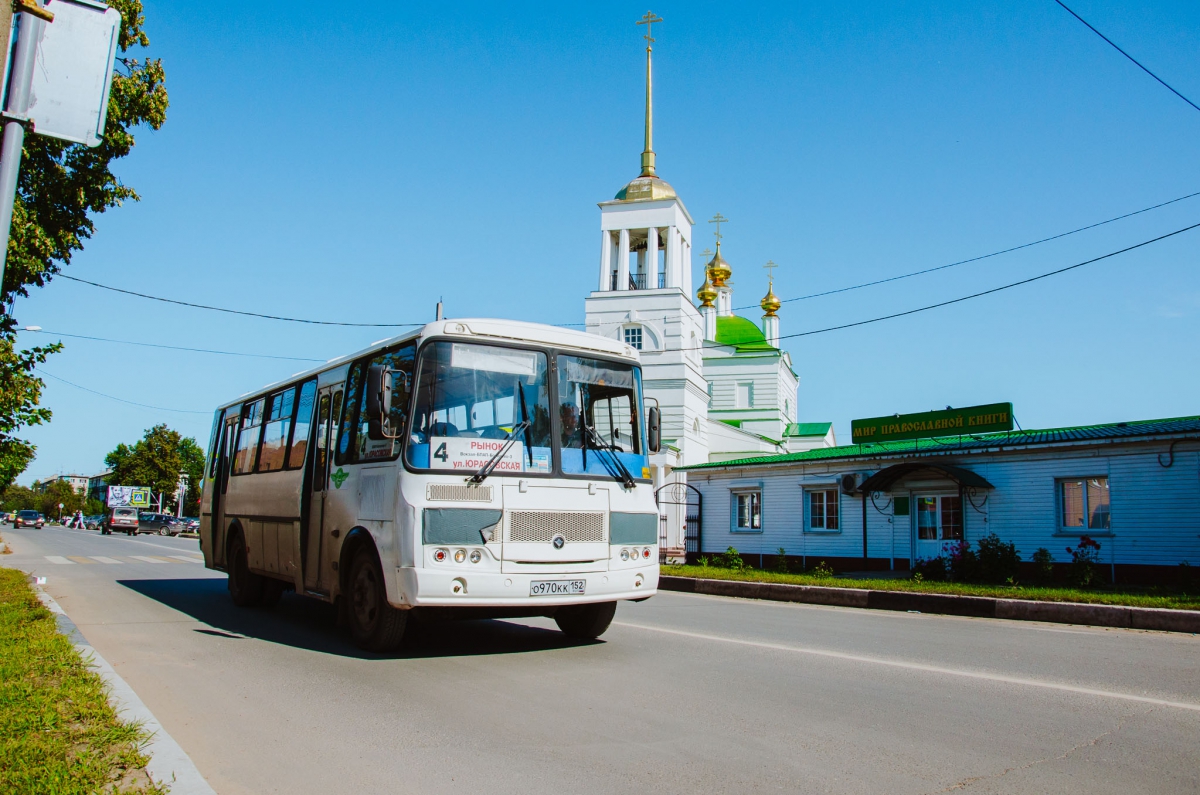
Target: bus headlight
460, 555
624, 554
476, 556
440, 555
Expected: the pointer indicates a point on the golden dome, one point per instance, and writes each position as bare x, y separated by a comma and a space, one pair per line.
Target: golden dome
707, 293
718, 269
770, 303
646, 189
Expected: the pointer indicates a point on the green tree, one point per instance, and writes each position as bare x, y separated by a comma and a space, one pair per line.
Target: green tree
61, 187
19, 498
156, 461
59, 492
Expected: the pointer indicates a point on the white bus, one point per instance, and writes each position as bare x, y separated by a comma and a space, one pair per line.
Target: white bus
485, 467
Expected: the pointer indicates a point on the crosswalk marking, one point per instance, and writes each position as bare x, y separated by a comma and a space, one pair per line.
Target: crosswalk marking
81, 559
146, 559
168, 560
59, 559
71, 560
187, 559
103, 559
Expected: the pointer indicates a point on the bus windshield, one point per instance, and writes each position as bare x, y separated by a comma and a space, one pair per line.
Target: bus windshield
598, 416
470, 398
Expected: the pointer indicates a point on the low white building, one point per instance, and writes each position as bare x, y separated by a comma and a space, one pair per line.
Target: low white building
1133, 487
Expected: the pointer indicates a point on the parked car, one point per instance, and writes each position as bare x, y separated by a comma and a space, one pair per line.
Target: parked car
94, 522
191, 524
29, 519
162, 523
123, 519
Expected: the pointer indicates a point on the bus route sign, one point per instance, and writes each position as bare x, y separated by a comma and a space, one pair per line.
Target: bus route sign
951, 422
471, 453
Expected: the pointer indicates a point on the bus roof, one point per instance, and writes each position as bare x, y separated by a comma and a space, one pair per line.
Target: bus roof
474, 329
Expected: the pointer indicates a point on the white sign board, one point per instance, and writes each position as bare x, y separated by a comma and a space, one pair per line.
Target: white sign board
469, 455
68, 98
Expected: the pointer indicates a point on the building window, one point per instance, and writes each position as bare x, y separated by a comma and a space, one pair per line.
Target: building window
787, 409
823, 510
939, 516
633, 337
710, 394
1084, 504
747, 512
745, 396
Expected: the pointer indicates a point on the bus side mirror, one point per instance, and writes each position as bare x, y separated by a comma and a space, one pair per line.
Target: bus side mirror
653, 434
379, 399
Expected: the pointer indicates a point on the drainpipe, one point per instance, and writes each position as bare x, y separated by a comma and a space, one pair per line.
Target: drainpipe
864, 515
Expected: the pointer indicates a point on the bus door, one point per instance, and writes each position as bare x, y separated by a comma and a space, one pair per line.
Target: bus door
229, 430
329, 403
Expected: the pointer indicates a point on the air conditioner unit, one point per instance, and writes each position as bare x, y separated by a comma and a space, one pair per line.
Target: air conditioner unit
851, 481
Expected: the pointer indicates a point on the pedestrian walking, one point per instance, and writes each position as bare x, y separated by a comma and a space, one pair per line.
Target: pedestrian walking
77, 520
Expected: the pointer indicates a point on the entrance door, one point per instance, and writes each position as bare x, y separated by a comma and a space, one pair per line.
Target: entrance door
939, 524
221, 483
329, 402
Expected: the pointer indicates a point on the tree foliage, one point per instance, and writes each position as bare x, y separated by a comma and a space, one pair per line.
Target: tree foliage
60, 188
156, 461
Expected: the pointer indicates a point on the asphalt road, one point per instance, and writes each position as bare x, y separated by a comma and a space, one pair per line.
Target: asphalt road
685, 693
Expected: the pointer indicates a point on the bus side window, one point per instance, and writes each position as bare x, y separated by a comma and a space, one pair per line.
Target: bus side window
302, 425
321, 460
400, 362
247, 443
343, 452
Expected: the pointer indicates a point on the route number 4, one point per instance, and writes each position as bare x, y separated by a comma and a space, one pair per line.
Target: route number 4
441, 453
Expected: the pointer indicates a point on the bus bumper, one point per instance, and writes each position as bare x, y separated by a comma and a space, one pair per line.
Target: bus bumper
429, 588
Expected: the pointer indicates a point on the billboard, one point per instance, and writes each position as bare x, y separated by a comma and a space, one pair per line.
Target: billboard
951, 422
131, 496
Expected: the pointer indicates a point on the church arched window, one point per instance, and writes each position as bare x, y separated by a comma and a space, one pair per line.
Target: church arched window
633, 337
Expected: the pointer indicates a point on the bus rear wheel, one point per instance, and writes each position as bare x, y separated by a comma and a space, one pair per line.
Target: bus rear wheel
245, 587
585, 622
374, 624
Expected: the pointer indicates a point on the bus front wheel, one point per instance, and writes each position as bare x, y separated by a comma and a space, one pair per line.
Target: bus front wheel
374, 624
585, 622
245, 587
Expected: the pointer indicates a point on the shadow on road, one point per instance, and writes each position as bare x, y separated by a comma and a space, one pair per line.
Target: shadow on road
310, 624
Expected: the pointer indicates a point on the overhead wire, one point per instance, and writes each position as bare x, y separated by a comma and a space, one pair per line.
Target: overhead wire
981, 257
173, 347
41, 371
235, 311
1127, 55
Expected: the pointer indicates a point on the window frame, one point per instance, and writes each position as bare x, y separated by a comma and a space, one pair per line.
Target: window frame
755, 496
352, 410
822, 488
634, 330
1059, 504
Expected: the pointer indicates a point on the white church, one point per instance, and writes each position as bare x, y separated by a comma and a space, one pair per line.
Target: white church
725, 388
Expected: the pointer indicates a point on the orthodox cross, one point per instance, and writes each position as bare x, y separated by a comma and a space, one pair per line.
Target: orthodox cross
706, 253
719, 219
770, 266
649, 21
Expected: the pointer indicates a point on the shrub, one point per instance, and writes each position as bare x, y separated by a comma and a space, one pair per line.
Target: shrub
705, 561
730, 559
780, 564
1084, 560
1043, 566
933, 569
996, 562
963, 564
822, 571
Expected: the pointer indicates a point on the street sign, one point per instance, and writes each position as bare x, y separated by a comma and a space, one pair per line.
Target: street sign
131, 496
951, 422
68, 98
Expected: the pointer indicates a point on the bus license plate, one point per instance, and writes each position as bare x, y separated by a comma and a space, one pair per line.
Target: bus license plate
557, 587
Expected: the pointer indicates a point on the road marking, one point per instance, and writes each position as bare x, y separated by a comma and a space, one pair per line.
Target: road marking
59, 559
166, 559
932, 669
145, 558
188, 560
103, 559
81, 559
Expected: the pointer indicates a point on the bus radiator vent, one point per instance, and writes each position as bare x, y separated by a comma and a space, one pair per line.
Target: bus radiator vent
454, 492
543, 526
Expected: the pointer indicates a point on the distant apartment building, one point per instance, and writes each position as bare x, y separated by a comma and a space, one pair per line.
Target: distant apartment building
97, 485
79, 483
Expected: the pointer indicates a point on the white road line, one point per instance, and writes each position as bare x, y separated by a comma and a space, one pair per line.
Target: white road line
932, 669
186, 559
147, 559
102, 559
60, 559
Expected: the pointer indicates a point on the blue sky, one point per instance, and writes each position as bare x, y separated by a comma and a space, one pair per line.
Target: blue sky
359, 162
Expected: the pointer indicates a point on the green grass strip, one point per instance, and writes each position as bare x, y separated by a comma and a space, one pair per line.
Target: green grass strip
58, 733
1125, 597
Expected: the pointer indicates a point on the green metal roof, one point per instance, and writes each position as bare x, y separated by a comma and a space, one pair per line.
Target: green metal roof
807, 429
742, 334
965, 443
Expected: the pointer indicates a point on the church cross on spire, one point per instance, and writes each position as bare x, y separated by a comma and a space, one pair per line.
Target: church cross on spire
770, 267
648, 151
718, 219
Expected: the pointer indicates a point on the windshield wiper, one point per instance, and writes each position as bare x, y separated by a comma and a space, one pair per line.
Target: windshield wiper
621, 474
487, 468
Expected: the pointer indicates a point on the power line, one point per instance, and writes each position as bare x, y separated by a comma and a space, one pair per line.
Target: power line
172, 347
1127, 55
973, 295
119, 400
982, 257
235, 311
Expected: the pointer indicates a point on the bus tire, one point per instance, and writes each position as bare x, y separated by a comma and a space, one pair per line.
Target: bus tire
245, 587
374, 624
585, 622
272, 590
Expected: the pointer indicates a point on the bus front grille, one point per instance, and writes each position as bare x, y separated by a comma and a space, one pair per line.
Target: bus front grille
457, 492
543, 526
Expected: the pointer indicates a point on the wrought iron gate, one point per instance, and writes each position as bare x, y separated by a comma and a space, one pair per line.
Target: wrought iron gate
687, 496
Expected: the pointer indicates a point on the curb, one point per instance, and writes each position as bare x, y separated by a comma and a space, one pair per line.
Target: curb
169, 764
1154, 618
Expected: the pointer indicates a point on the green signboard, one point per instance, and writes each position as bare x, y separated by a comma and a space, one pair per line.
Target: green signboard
951, 422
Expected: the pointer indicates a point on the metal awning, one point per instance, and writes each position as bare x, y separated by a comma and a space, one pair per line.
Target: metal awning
884, 479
